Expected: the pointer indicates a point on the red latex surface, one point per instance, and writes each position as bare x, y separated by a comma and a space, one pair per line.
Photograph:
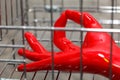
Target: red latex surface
95, 49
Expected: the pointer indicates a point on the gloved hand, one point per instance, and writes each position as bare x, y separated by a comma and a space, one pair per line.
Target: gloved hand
95, 49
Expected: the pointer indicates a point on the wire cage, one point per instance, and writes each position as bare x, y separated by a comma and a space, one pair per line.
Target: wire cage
38, 17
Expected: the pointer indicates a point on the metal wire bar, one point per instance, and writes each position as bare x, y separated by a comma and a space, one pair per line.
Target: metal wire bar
22, 23
34, 75
70, 75
0, 12
98, 5
34, 16
101, 21
46, 75
6, 15
10, 60
81, 58
17, 9
0, 23
11, 3
11, 46
111, 45
100, 9
115, 22
21, 77
34, 23
26, 12
52, 47
13, 42
46, 28
62, 3
57, 75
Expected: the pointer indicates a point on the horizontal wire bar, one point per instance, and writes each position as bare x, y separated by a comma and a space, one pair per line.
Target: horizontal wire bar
100, 21
93, 7
109, 21
110, 11
61, 29
12, 60
58, 8
110, 7
76, 7
11, 46
8, 79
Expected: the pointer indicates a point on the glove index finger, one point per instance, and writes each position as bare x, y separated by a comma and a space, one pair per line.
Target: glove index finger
34, 43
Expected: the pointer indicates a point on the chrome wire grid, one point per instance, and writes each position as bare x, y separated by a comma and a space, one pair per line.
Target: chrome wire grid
38, 17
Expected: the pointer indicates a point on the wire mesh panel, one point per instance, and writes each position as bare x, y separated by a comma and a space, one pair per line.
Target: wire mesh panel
38, 17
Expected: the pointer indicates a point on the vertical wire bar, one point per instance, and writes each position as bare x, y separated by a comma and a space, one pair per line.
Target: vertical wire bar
13, 42
116, 9
118, 33
6, 15
11, 4
62, 5
111, 45
24, 56
22, 23
34, 16
81, 58
0, 22
17, 9
51, 13
81, 35
26, 12
98, 5
22, 12
0, 12
52, 49
35, 19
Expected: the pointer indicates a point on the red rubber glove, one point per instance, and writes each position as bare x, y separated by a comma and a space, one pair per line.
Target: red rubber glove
95, 49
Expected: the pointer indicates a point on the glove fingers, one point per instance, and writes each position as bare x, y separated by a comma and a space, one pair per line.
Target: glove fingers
61, 62
34, 56
34, 66
34, 43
